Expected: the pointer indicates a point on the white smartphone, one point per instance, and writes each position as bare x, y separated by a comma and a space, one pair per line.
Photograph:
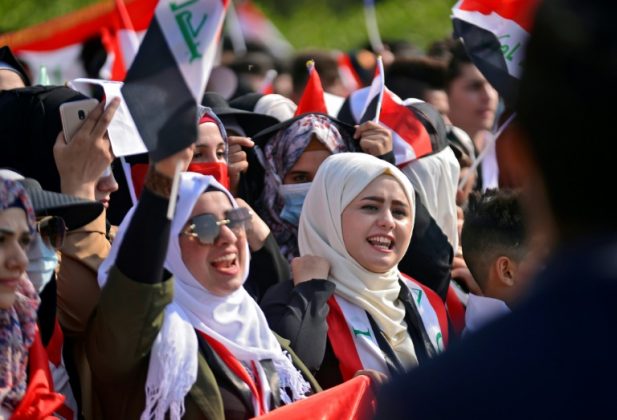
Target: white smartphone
73, 114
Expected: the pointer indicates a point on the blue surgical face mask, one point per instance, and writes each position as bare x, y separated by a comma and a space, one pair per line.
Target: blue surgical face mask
294, 195
42, 263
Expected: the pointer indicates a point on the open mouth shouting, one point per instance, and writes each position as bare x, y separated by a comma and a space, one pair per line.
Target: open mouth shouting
382, 243
226, 264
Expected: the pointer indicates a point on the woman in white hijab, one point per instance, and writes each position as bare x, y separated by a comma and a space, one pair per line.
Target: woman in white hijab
350, 308
198, 346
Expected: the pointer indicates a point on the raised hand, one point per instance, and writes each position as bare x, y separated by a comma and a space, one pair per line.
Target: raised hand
309, 267
82, 162
257, 231
374, 139
237, 161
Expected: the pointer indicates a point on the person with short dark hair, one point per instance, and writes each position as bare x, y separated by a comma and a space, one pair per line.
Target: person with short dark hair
498, 252
472, 107
553, 356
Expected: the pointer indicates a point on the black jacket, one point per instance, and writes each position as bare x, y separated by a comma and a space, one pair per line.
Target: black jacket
553, 357
299, 314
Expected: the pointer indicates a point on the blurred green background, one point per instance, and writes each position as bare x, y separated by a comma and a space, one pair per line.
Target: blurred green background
305, 23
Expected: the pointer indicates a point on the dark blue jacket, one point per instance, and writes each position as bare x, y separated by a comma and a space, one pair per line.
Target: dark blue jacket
555, 356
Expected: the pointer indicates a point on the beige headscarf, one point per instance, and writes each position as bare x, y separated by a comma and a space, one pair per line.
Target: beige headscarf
338, 181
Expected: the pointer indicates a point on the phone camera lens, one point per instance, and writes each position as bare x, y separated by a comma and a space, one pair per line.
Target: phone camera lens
81, 114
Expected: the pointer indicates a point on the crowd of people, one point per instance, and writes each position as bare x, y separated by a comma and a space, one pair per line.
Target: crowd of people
307, 249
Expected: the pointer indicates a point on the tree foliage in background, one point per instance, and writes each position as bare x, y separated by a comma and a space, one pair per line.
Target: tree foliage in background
305, 23
340, 23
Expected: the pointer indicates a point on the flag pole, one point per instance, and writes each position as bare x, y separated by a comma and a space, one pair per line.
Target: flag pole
268, 80
485, 151
173, 196
234, 30
125, 17
381, 89
370, 18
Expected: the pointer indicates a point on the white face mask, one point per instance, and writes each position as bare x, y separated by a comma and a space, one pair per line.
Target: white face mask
42, 263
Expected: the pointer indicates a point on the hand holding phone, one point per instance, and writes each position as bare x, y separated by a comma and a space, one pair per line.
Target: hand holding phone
73, 114
82, 159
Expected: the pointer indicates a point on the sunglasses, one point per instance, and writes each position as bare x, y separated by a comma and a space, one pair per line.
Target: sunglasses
206, 228
52, 230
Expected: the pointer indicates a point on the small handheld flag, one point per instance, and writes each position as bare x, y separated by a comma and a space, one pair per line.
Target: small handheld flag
169, 74
372, 108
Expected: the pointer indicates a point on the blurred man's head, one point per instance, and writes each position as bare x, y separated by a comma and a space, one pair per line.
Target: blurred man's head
564, 111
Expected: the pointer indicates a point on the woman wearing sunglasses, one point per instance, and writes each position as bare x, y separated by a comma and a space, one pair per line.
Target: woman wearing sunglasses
349, 309
25, 391
213, 155
197, 345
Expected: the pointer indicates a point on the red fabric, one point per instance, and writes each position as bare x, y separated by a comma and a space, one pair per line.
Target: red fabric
112, 45
342, 341
312, 98
403, 121
54, 347
76, 27
347, 70
353, 399
237, 368
40, 401
438, 306
519, 11
102, 19
138, 175
218, 170
267, 89
207, 119
456, 310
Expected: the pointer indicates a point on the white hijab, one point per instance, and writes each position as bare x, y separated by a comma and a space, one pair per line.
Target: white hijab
338, 181
235, 320
435, 178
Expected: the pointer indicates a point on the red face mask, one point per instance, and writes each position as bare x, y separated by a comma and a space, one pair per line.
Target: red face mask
217, 169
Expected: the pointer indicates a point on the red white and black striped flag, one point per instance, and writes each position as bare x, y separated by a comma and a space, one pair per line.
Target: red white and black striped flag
495, 33
168, 76
410, 140
372, 107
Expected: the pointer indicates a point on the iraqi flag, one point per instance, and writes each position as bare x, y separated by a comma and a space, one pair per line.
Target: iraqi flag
168, 76
410, 139
372, 105
495, 33
58, 44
